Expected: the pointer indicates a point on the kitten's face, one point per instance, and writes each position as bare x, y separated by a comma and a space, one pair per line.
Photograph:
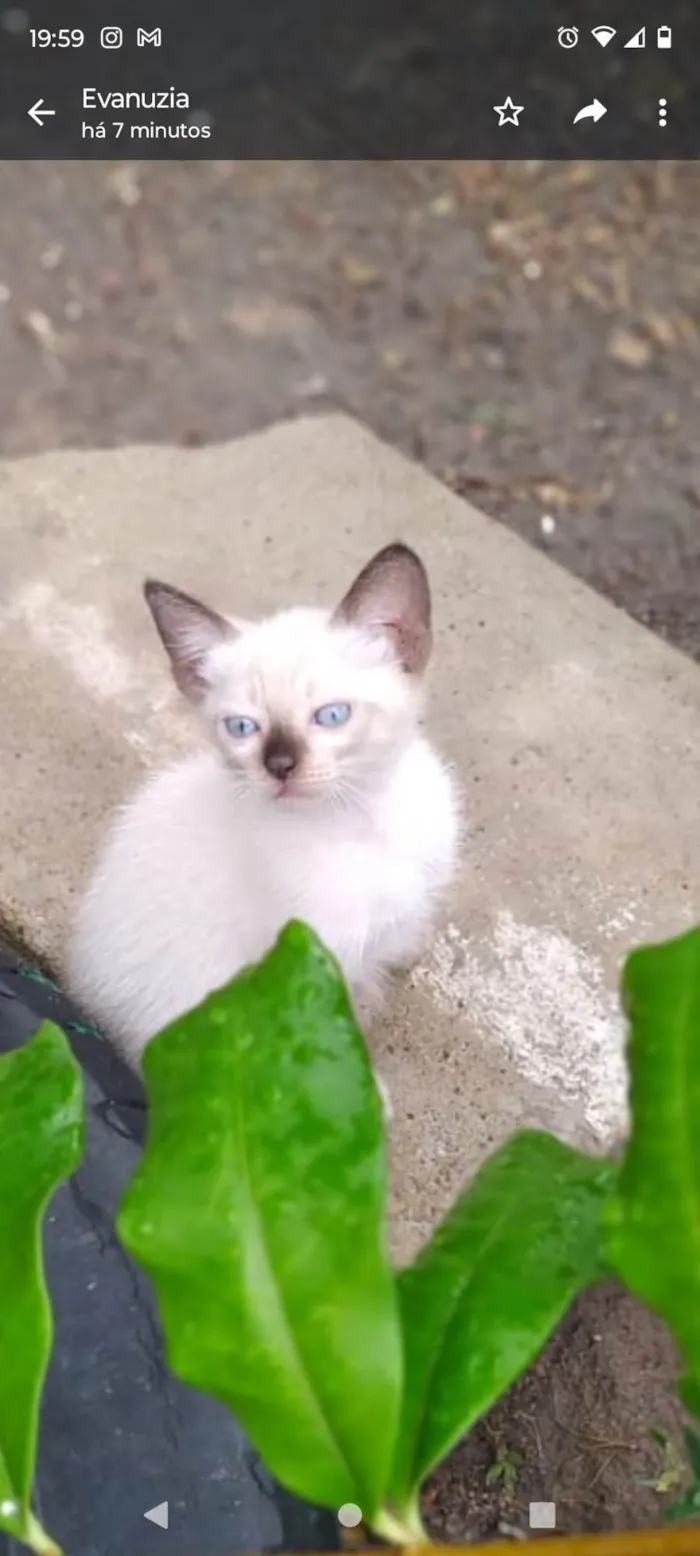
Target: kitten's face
308, 706
306, 710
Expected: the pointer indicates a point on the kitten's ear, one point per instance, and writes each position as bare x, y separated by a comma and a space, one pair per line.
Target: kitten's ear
189, 631
392, 596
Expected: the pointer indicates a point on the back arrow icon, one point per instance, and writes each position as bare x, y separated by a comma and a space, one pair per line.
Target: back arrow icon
594, 110
38, 113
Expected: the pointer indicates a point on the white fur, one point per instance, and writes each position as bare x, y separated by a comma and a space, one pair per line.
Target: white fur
210, 859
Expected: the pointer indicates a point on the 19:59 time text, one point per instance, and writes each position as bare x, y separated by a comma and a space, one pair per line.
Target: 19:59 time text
65, 38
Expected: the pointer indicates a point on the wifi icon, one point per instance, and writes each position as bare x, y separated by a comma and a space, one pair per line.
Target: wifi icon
604, 35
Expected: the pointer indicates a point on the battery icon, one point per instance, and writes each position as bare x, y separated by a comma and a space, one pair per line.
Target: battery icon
663, 38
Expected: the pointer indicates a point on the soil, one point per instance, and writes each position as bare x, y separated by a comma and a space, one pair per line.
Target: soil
575, 1430
531, 333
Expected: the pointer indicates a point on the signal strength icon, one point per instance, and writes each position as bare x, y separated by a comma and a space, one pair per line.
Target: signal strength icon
639, 40
604, 35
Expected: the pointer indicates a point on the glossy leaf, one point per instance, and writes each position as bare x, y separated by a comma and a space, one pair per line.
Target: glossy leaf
482, 1297
654, 1220
692, 1443
41, 1142
259, 1210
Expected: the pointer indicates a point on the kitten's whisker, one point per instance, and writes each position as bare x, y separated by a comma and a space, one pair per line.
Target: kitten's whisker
346, 796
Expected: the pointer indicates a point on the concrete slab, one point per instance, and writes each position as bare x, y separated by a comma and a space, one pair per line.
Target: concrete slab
573, 729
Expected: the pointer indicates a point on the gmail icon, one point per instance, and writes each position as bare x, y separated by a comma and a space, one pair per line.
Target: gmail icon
155, 37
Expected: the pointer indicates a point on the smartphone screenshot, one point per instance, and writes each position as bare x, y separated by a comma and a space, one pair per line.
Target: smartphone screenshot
349, 877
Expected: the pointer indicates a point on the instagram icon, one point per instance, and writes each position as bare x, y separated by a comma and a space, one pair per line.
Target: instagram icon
111, 37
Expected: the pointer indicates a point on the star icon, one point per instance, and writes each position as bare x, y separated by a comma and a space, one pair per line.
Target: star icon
508, 113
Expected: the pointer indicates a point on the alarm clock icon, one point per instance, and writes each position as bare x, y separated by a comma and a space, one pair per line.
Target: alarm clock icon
568, 37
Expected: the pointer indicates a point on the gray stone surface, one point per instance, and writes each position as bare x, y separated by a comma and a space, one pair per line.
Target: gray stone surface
573, 730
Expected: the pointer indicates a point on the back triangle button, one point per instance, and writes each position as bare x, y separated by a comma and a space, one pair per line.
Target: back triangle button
158, 1515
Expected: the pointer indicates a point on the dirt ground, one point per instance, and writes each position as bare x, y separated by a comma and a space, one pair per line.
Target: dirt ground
575, 1430
531, 333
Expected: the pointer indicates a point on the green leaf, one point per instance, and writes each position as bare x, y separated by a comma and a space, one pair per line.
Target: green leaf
692, 1443
259, 1210
654, 1219
687, 1506
41, 1142
482, 1297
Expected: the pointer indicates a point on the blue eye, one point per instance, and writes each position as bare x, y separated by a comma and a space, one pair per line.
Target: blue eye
332, 714
241, 727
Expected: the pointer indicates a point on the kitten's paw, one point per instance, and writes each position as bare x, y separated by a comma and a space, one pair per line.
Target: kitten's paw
404, 961
367, 1000
402, 970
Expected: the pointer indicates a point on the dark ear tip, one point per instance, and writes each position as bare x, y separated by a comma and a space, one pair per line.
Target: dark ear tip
156, 592
398, 551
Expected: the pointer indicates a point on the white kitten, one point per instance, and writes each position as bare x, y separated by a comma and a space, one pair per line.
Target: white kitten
321, 801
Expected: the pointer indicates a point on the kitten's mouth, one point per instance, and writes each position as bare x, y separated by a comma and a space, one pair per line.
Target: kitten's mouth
287, 791
293, 789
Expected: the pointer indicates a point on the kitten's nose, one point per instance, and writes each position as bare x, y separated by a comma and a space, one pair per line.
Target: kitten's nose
280, 757
280, 764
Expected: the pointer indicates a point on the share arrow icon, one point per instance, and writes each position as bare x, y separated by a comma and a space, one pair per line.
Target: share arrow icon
594, 110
